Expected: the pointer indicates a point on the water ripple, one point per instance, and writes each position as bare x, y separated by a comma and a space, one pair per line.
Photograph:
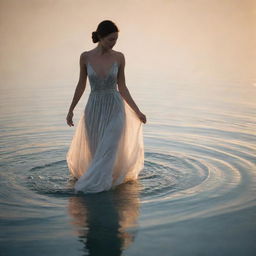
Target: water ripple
192, 171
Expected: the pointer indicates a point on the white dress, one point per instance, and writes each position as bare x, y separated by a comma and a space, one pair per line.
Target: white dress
107, 148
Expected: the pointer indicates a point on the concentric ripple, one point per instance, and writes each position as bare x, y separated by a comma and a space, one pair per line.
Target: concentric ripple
207, 176
165, 174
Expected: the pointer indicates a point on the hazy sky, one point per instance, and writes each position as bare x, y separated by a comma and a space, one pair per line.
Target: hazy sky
183, 40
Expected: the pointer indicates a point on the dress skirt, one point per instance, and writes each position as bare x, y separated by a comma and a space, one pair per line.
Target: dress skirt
107, 148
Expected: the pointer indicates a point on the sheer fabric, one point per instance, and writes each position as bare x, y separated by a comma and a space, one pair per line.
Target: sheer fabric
107, 148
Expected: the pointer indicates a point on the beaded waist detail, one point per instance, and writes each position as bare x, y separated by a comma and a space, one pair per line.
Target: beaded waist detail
107, 90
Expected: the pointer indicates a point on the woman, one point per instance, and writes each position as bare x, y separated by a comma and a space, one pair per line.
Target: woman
107, 148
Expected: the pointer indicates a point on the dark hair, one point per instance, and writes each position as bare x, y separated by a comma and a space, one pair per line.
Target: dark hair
104, 28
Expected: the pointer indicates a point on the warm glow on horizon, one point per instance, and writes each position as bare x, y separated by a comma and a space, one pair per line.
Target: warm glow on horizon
181, 40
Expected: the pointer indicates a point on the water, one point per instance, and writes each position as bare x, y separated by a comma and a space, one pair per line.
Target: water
195, 196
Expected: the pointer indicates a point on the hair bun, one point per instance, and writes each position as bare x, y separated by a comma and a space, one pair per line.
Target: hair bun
95, 37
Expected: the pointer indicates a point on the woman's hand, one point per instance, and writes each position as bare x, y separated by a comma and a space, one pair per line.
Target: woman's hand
69, 118
142, 117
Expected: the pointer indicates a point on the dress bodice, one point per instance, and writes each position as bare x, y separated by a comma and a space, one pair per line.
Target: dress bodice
102, 84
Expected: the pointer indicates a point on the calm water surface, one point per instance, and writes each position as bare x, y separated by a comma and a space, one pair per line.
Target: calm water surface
195, 195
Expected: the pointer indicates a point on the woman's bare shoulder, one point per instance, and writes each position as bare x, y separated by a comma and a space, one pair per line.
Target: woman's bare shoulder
84, 56
119, 54
120, 57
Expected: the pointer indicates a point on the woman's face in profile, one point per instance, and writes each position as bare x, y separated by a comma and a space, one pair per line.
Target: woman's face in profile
110, 40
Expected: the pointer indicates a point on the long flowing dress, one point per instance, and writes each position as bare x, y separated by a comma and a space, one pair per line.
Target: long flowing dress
107, 148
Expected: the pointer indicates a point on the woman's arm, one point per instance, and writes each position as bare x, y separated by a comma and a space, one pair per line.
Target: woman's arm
81, 83
124, 90
79, 88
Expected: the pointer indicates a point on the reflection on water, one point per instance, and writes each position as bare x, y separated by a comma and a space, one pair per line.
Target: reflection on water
196, 194
106, 222
199, 164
